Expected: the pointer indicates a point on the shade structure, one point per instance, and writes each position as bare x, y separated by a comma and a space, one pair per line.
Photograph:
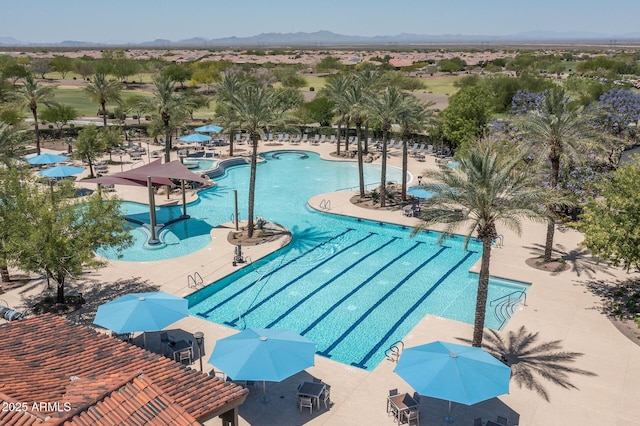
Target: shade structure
209, 128
453, 372
263, 354
61, 171
46, 159
141, 312
195, 137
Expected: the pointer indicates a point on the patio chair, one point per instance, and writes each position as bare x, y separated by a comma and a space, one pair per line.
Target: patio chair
332, 139
503, 421
326, 396
412, 417
185, 355
305, 402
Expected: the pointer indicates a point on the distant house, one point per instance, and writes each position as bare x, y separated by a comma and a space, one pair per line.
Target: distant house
55, 372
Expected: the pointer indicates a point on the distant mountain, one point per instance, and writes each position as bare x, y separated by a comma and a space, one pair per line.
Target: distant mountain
327, 39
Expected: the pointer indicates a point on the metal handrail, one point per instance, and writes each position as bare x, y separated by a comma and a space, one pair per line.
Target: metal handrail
520, 292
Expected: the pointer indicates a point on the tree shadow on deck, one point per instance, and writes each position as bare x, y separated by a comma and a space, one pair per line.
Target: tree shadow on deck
531, 361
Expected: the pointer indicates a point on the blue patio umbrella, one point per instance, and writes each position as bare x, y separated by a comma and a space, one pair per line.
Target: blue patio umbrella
141, 312
209, 128
61, 171
195, 137
456, 373
46, 159
263, 354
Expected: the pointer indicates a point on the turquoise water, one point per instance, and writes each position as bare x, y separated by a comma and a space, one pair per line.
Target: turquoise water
352, 286
284, 183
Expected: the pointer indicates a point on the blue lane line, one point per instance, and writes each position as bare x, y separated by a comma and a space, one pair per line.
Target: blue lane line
408, 312
375, 306
327, 283
248, 286
357, 288
299, 277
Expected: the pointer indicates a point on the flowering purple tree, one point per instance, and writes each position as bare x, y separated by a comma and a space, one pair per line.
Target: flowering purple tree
525, 101
619, 112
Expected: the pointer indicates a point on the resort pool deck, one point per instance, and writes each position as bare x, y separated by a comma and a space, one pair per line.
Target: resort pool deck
559, 307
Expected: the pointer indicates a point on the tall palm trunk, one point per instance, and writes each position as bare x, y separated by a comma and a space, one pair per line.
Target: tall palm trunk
104, 113
358, 123
338, 138
167, 137
346, 136
404, 168
366, 137
231, 143
252, 181
551, 223
34, 111
483, 289
383, 173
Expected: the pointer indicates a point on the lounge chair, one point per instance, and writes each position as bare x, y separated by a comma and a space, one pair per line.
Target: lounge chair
316, 138
323, 138
305, 138
332, 139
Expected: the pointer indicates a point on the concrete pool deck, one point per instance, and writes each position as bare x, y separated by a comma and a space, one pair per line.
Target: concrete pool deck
559, 307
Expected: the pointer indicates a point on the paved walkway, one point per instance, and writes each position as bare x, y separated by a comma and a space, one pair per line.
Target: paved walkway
559, 307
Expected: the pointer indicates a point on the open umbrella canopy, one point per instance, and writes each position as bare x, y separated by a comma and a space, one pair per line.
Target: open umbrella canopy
453, 372
141, 312
195, 137
263, 354
46, 159
61, 171
209, 128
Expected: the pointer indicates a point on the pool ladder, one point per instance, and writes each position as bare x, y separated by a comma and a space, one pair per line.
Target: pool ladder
325, 204
394, 351
195, 280
506, 305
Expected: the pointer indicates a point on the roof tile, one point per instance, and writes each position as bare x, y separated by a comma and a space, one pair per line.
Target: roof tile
105, 381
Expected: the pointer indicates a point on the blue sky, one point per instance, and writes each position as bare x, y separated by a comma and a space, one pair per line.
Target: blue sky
45, 21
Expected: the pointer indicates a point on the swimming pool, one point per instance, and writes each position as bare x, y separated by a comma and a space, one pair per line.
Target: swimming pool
354, 287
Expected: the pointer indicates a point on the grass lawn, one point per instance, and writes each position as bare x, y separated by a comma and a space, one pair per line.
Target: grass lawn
314, 81
440, 85
76, 98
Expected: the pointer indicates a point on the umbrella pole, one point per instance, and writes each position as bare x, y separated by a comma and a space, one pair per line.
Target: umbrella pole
144, 339
264, 398
448, 418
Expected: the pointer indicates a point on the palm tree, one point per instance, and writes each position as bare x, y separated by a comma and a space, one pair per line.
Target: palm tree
484, 190
335, 89
254, 107
225, 92
169, 108
412, 118
355, 103
559, 135
11, 141
386, 109
101, 90
30, 95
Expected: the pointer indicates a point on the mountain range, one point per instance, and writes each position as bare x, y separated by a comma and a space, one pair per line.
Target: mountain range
327, 39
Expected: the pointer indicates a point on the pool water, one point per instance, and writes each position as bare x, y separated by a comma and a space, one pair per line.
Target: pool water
353, 286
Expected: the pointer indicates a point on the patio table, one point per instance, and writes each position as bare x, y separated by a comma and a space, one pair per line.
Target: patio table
401, 403
313, 390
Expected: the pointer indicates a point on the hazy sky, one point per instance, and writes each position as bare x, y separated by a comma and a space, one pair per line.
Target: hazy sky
51, 21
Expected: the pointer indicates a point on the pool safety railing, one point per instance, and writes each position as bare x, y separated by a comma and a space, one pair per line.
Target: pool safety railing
506, 305
195, 280
325, 204
394, 351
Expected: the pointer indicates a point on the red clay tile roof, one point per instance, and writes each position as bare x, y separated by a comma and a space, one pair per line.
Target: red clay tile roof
47, 359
